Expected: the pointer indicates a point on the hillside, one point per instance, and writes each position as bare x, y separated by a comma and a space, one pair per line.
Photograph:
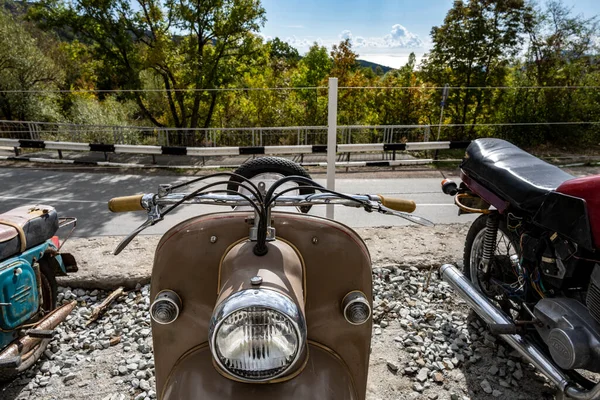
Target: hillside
373, 66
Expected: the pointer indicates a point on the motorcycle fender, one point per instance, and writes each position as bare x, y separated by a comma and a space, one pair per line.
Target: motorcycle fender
325, 377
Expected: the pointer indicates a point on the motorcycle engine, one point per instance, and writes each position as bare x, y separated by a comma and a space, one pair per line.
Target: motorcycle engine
571, 333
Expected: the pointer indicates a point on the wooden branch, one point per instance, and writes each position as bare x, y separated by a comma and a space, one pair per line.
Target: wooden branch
102, 307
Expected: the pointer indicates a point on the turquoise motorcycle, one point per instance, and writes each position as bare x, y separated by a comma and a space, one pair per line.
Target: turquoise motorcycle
30, 261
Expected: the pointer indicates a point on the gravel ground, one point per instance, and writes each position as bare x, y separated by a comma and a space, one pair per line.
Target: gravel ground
426, 345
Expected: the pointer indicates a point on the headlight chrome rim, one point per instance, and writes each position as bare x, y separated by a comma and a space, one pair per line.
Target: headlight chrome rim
269, 300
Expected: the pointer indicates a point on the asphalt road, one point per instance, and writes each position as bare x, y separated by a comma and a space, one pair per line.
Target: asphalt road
85, 195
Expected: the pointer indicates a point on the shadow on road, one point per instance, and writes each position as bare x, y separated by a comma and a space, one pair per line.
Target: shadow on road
76, 194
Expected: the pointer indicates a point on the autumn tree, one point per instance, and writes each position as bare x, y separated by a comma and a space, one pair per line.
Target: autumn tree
25, 69
188, 45
473, 48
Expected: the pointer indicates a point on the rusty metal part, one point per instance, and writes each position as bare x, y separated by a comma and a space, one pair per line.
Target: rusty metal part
23, 345
65, 221
344, 255
38, 277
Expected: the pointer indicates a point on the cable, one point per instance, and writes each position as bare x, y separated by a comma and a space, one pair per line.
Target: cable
321, 189
158, 90
296, 88
260, 211
466, 87
294, 178
256, 191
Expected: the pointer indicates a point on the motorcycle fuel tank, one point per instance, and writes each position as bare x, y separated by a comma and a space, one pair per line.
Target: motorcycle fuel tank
588, 189
19, 296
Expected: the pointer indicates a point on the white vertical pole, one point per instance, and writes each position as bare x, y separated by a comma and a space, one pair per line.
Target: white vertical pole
331, 139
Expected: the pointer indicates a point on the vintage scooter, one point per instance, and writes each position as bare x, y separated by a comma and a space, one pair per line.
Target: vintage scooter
30, 260
260, 303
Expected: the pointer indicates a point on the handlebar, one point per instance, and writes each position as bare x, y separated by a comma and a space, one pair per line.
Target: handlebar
398, 204
159, 205
126, 203
141, 202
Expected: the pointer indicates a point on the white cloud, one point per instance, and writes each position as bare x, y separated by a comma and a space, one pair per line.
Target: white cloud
298, 42
391, 49
399, 37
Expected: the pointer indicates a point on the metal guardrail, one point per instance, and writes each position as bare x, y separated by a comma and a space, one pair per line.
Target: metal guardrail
211, 137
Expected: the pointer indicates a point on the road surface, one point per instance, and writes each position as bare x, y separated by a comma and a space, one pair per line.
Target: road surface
85, 195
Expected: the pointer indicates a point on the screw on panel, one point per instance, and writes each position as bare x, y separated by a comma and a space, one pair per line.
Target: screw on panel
315, 240
213, 239
256, 280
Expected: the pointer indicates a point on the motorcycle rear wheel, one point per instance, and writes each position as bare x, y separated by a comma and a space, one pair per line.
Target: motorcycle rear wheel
49, 296
271, 168
507, 244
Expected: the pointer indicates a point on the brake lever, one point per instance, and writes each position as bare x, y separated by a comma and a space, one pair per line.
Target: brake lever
154, 216
410, 217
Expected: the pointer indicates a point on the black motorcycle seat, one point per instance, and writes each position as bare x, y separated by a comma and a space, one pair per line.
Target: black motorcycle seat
37, 224
511, 173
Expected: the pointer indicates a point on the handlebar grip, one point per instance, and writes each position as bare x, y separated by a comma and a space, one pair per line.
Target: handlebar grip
398, 204
126, 203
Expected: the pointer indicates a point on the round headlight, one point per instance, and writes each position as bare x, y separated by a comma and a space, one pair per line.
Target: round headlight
257, 335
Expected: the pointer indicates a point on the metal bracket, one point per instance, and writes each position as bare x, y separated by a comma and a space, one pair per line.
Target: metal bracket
154, 216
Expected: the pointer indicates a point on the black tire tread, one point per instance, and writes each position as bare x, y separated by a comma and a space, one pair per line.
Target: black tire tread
271, 164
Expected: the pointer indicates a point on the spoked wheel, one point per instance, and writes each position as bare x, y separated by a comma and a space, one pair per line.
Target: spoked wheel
501, 280
265, 171
48, 297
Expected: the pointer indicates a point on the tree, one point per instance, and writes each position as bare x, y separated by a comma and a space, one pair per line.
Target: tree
344, 61
473, 48
314, 67
279, 49
24, 68
188, 45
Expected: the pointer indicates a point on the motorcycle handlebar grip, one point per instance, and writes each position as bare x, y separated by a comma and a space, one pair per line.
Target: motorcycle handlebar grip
126, 203
398, 204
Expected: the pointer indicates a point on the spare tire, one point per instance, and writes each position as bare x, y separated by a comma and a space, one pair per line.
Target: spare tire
271, 165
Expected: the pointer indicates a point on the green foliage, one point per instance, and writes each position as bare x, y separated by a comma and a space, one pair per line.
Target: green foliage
167, 56
25, 67
186, 44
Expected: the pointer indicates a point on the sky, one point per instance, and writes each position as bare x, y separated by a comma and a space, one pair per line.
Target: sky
381, 31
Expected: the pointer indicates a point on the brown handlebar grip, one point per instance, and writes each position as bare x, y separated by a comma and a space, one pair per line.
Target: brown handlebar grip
126, 203
398, 204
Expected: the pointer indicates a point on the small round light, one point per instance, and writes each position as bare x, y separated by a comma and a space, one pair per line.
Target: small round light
166, 307
356, 308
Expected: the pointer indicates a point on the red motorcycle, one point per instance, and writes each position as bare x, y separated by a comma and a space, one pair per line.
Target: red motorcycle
532, 260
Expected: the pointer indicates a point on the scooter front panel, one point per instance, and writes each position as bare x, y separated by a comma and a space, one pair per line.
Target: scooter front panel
325, 377
336, 260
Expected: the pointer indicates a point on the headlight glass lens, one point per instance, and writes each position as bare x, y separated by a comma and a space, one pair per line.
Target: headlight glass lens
256, 343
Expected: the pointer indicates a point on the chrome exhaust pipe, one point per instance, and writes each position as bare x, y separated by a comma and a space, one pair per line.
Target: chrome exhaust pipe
23, 345
492, 315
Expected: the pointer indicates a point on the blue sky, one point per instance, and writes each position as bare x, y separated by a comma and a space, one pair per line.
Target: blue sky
382, 31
